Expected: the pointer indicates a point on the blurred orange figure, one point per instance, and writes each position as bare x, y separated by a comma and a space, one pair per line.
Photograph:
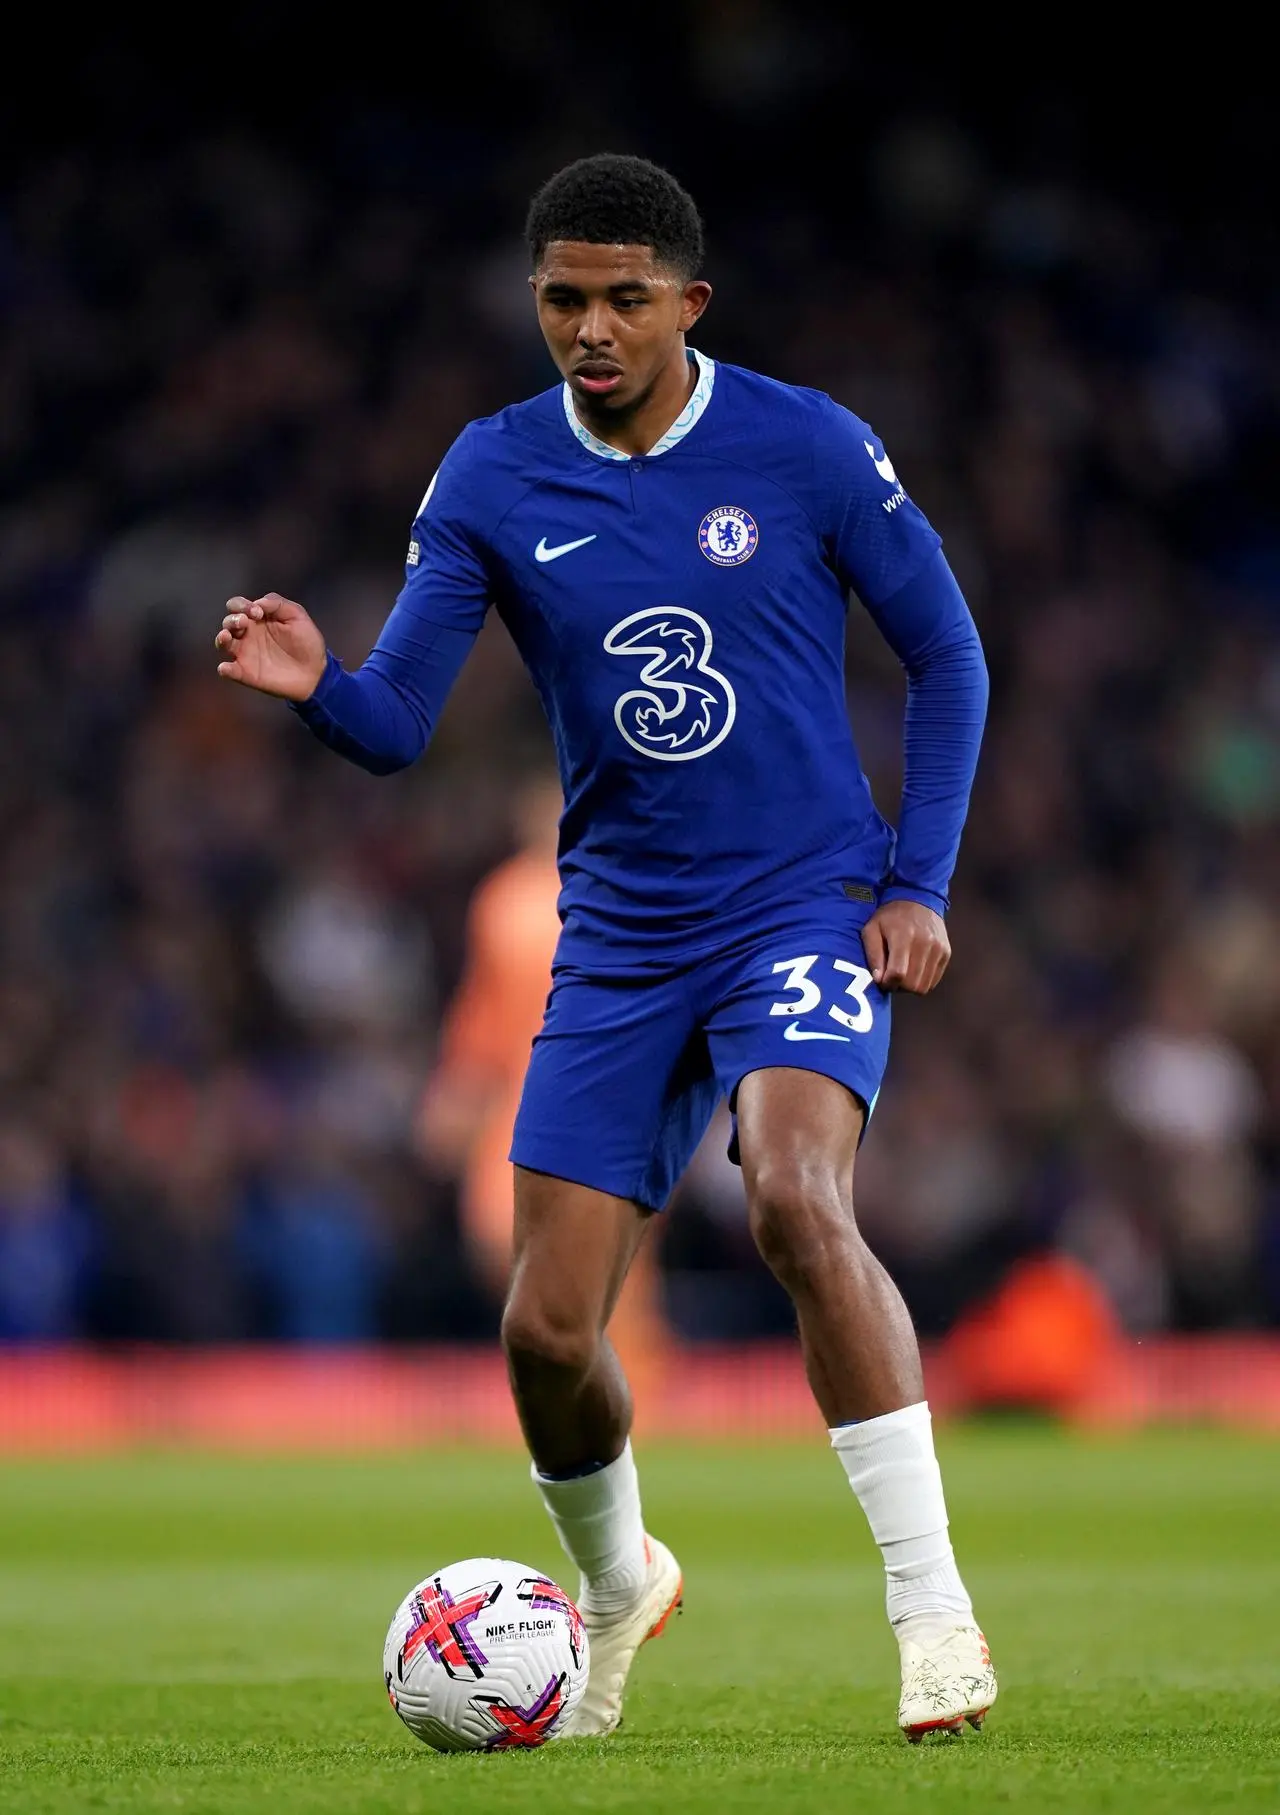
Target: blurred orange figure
469, 1103
1043, 1340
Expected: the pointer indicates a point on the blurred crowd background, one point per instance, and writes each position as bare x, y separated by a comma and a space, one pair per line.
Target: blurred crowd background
240, 321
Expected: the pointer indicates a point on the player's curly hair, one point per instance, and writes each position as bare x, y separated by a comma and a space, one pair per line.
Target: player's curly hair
614, 200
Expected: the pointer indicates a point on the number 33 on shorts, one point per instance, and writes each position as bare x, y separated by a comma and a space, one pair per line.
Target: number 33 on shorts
811, 1012
805, 998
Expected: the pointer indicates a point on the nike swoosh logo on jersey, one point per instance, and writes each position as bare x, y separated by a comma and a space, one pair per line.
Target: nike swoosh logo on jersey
884, 466
792, 1032
543, 553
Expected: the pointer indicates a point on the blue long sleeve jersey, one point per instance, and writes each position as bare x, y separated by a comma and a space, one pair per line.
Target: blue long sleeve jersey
682, 616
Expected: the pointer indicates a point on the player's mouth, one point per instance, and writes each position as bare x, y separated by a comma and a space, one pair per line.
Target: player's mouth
598, 376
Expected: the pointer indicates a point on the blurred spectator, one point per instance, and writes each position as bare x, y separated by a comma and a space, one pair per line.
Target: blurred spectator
1191, 1100
316, 1248
469, 1106
232, 352
44, 1241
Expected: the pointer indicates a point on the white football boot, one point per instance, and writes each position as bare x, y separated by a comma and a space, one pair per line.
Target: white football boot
947, 1678
616, 1637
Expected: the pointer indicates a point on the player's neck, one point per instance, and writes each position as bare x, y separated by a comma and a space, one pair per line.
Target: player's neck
645, 426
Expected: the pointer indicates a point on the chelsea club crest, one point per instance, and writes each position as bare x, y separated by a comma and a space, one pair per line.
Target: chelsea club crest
728, 536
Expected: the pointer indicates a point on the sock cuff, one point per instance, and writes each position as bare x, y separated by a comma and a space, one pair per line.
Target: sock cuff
866, 1434
581, 1493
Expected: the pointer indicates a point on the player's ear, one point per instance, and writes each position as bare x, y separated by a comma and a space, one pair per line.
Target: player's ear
694, 300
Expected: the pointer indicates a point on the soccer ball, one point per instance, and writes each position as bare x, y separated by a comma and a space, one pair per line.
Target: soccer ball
486, 1656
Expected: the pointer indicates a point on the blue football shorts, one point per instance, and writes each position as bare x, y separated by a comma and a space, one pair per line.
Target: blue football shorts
631, 1061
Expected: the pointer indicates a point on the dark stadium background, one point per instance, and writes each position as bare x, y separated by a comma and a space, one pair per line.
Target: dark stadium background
256, 271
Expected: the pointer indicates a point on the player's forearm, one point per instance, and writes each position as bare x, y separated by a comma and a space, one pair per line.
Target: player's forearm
383, 715
946, 710
930, 627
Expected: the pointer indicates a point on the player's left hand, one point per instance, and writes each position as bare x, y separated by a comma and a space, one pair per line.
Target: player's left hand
907, 947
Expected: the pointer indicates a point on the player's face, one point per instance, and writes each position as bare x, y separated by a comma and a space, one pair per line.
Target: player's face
613, 319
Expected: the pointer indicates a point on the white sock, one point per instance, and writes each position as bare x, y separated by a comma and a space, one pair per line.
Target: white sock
597, 1519
894, 1472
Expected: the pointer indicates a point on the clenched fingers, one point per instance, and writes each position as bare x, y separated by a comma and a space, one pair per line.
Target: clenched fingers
917, 968
907, 947
915, 963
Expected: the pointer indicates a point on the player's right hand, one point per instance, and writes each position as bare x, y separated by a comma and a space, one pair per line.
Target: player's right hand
271, 644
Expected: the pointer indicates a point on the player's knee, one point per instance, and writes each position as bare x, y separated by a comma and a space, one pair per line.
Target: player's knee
801, 1225
538, 1340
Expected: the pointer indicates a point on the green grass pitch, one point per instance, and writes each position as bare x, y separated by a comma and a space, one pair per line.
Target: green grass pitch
204, 1634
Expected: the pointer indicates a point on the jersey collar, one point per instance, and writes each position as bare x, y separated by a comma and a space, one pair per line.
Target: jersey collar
679, 428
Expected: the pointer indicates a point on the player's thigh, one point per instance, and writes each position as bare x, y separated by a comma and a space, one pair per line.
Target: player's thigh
619, 1088
797, 1134
800, 1005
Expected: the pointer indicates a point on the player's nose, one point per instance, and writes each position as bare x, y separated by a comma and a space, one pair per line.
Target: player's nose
596, 327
